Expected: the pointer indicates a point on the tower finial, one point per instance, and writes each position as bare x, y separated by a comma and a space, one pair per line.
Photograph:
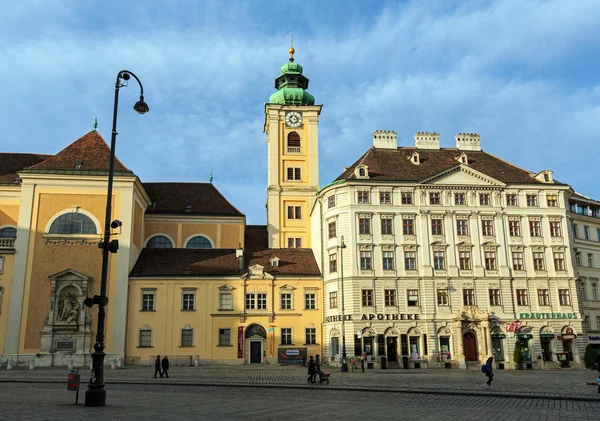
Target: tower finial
291, 50
95, 122
211, 177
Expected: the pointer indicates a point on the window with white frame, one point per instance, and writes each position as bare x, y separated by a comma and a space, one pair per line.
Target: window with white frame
145, 338
442, 297
148, 299
511, 199
522, 297
385, 197
413, 297
367, 297
484, 199
564, 297
365, 260
538, 260
310, 301
389, 297
225, 300
543, 297
434, 198
294, 174
517, 260
459, 199
408, 227
286, 336
552, 200
294, 212
224, 337
559, 260
464, 260
462, 227
188, 300
187, 337
388, 260
532, 200
286, 300
406, 198
256, 301
364, 226
410, 260
555, 230
363, 197
514, 228
294, 243
490, 260
331, 228
333, 299
468, 297
495, 297
386, 226
535, 229
333, 263
487, 227
439, 260
311, 336
437, 226
331, 201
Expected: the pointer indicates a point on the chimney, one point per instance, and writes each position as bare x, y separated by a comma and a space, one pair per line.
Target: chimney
239, 255
383, 139
468, 142
426, 140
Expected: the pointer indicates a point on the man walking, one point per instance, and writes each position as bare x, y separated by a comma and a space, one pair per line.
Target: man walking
165, 366
489, 372
157, 367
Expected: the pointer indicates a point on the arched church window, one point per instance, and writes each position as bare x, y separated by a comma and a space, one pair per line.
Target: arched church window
293, 140
159, 242
8, 232
199, 242
73, 223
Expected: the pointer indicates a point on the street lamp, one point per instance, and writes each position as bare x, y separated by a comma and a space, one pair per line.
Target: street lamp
95, 395
344, 362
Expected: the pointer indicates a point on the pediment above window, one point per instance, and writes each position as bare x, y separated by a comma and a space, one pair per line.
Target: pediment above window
226, 288
69, 275
287, 287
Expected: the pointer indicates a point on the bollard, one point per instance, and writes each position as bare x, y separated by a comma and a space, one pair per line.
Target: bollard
31, 364
9, 365
70, 366
113, 365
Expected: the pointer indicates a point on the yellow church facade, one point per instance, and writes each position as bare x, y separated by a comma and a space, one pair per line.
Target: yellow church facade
190, 279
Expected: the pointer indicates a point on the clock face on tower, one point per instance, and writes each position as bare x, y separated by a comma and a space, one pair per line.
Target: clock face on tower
293, 119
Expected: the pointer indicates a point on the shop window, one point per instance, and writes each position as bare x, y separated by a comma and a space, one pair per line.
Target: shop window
497, 348
224, 337
445, 348
414, 348
335, 346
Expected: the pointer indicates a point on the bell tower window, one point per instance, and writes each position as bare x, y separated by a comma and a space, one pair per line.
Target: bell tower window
293, 143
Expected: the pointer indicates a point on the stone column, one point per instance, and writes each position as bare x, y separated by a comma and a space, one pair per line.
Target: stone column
459, 349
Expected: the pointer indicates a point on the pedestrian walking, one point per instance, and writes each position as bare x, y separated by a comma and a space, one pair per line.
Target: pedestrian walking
311, 370
489, 372
157, 367
317, 367
363, 357
353, 363
165, 366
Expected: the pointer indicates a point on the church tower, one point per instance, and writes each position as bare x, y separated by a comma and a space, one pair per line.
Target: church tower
291, 125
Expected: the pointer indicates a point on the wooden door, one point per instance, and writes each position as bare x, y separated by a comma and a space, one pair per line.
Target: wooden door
470, 346
255, 351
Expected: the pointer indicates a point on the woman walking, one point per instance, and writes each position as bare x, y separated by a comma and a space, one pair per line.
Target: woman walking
311, 370
489, 373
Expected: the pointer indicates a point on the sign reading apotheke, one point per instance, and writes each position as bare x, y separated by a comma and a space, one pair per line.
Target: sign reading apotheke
547, 315
381, 316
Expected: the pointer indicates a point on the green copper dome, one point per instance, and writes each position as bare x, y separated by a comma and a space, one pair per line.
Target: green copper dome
291, 85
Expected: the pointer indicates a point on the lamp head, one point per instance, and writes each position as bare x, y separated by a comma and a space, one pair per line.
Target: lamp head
116, 224
141, 107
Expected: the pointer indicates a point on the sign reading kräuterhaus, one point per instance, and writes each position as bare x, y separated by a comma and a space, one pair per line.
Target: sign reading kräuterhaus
547, 315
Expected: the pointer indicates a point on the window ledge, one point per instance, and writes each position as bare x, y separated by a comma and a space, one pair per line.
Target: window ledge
186, 346
188, 310
148, 311
145, 346
287, 344
225, 309
224, 346
310, 344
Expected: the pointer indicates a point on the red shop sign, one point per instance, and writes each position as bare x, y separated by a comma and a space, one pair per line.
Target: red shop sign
240, 341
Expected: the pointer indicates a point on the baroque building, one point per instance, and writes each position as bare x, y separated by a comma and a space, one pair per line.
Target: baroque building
451, 255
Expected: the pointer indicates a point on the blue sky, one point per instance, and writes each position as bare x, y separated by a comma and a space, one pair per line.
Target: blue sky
523, 74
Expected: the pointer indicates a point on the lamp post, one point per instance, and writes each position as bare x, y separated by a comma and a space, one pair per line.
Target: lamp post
344, 362
95, 395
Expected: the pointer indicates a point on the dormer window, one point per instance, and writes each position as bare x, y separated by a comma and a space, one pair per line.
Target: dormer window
544, 176
362, 171
462, 158
188, 209
77, 165
415, 158
275, 262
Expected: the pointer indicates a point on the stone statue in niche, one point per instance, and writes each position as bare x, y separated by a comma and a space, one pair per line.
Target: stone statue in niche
68, 308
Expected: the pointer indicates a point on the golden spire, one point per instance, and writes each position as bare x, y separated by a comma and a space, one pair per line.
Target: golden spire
291, 50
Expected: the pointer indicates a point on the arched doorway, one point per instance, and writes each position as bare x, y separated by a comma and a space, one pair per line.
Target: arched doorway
255, 336
470, 346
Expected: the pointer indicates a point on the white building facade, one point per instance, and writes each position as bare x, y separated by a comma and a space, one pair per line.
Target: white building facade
451, 256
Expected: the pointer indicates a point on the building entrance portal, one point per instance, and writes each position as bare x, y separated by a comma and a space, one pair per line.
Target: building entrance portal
255, 352
470, 346
392, 349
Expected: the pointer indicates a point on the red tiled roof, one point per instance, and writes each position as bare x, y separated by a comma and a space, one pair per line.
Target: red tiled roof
90, 151
174, 198
256, 238
292, 262
395, 165
11, 163
174, 262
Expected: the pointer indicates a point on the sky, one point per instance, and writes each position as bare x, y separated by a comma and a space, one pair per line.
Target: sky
522, 74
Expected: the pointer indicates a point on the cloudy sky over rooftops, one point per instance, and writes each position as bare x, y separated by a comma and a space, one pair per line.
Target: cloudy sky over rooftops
522, 74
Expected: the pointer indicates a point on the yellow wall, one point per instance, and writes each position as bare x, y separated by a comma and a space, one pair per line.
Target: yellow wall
223, 235
168, 318
5, 283
9, 214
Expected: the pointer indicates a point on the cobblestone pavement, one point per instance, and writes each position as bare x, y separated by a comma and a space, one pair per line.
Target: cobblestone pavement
538, 383
36, 402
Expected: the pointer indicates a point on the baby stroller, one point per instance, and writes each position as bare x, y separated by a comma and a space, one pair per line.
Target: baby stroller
323, 377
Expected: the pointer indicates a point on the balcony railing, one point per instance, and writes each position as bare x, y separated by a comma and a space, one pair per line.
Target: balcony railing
294, 149
7, 243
